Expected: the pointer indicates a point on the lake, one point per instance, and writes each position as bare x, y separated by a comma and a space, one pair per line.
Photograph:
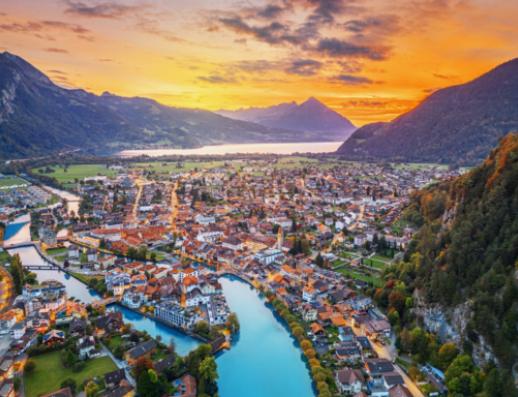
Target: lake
241, 148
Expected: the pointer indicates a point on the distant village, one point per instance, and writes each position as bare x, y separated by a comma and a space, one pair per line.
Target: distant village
310, 235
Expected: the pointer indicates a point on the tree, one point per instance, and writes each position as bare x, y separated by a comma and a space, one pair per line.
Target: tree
298, 331
91, 389
208, 375
446, 354
233, 323
17, 274
71, 383
460, 364
149, 384
30, 366
68, 358
142, 365
493, 384
319, 260
202, 328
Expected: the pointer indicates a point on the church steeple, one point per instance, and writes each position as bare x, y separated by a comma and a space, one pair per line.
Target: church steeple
280, 238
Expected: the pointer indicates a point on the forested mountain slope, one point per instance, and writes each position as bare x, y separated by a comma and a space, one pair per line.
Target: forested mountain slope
468, 246
455, 125
459, 277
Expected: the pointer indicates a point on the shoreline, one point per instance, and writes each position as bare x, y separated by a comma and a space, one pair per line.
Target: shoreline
158, 320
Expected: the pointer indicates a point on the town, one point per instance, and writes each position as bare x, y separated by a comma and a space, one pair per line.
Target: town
312, 236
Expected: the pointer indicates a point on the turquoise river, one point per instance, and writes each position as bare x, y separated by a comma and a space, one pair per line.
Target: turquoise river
264, 360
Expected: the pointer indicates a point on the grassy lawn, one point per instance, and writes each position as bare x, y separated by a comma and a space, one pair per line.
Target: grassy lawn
186, 166
377, 282
12, 181
159, 255
349, 255
79, 171
49, 373
85, 278
377, 261
114, 342
337, 263
56, 251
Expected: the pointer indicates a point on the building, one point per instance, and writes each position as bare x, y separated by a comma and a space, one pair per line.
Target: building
268, 256
144, 349
86, 347
172, 313
349, 381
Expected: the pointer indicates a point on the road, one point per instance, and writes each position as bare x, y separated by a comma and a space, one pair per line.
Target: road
390, 353
174, 206
121, 365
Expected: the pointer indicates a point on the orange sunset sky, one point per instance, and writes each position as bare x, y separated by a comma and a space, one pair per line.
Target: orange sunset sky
370, 60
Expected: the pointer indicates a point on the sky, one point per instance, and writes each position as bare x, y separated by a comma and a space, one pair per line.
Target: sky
369, 60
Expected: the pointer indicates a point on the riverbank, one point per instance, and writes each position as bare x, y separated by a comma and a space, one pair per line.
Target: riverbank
264, 350
74, 287
158, 320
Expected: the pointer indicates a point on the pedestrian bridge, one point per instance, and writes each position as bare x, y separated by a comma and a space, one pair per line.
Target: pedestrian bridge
105, 302
41, 267
19, 245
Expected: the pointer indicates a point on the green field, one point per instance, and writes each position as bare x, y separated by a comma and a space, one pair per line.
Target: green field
76, 171
12, 181
114, 342
57, 251
85, 278
376, 281
377, 261
293, 162
418, 166
49, 373
349, 255
185, 166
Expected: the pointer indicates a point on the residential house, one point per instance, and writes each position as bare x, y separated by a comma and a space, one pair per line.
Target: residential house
109, 323
86, 347
349, 380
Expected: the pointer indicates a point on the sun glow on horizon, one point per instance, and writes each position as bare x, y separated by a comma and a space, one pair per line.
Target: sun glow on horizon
365, 59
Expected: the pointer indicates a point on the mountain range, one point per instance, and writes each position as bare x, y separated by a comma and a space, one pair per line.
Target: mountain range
310, 115
38, 117
455, 125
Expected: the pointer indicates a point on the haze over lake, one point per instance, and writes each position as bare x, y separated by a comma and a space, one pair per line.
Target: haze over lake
245, 148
